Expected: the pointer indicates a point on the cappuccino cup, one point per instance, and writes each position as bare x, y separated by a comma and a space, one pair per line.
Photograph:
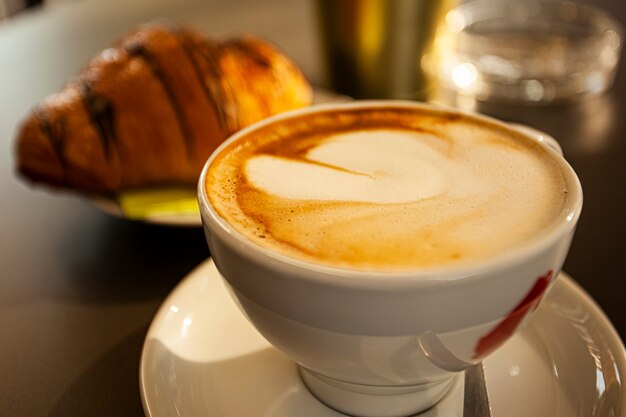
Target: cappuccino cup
385, 246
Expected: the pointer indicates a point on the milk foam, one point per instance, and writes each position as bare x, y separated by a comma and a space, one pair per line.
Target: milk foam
349, 167
407, 193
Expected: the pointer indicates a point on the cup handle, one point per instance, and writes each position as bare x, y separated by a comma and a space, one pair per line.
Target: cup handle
439, 355
540, 136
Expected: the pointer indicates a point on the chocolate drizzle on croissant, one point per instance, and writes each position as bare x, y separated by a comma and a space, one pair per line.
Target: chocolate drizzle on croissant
142, 51
150, 110
54, 134
101, 114
206, 70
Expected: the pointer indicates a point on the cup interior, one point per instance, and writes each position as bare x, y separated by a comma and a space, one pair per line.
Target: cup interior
564, 224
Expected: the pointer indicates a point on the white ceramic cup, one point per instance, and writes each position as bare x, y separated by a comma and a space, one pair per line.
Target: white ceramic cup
387, 343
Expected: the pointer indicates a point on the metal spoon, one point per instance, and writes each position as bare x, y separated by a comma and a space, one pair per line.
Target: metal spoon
476, 400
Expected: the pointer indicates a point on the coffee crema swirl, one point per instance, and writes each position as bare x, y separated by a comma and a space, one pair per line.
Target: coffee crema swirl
386, 189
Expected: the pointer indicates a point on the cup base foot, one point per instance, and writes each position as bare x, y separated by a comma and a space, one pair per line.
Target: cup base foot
374, 401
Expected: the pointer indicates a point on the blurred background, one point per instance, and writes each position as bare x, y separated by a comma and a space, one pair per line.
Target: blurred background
9, 8
79, 288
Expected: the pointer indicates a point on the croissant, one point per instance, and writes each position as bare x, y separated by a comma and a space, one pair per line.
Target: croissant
152, 108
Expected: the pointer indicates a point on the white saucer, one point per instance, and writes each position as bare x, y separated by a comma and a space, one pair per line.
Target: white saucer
202, 358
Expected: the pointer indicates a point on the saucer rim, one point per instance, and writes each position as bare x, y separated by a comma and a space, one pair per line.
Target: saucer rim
569, 284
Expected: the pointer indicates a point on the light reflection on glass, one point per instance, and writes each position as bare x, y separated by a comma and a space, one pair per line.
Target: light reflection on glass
464, 76
456, 21
184, 330
174, 308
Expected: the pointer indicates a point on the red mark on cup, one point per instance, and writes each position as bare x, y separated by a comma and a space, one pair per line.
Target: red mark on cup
506, 327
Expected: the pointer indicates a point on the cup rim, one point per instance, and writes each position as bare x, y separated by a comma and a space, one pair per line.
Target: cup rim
421, 276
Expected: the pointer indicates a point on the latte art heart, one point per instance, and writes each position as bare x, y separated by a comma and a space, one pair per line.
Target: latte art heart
386, 189
370, 166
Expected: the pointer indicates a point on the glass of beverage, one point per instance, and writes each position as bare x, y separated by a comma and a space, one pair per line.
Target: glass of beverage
379, 48
385, 246
537, 51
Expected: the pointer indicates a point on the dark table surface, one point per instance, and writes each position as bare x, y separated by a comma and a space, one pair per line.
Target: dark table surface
78, 288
